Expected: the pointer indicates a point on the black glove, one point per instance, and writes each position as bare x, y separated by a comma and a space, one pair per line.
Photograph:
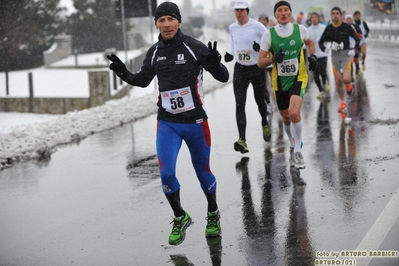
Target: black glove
313, 65
213, 57
322, 47
117, 66
228, 57
256, 46
278, 57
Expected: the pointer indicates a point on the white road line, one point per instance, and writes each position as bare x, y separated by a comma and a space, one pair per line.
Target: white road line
380, 228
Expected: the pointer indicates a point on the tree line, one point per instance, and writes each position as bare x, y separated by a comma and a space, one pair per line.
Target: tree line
28, 27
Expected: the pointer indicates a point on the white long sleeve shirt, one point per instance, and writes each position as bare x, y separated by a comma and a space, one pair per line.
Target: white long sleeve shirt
242, 40
315, 32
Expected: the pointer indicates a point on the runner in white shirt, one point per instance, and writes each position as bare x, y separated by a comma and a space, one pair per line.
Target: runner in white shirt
315, 31
246, 34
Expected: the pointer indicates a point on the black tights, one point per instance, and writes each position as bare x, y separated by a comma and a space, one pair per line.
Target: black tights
243, 75
321, 71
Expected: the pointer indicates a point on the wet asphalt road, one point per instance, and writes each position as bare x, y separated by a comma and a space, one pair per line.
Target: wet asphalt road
99, 202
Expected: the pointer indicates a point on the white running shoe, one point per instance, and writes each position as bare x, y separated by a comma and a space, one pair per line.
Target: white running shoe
299, 162
321, 96
292, 157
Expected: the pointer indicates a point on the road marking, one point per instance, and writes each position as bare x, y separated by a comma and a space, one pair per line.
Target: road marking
380, 228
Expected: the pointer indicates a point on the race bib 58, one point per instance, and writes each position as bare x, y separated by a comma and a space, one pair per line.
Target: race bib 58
177, 101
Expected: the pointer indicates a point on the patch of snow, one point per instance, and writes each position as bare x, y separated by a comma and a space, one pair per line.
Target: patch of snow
26, 136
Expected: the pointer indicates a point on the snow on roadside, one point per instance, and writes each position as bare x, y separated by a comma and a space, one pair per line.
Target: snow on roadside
27, 140
38, 140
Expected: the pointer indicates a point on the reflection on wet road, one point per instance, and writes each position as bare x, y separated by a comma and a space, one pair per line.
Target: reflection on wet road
260, 229
99, 201
260, 242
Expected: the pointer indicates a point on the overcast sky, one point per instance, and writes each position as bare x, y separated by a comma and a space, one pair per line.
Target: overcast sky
208, 4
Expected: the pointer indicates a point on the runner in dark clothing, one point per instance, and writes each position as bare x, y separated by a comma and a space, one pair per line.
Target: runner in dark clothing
178, 62
337, 34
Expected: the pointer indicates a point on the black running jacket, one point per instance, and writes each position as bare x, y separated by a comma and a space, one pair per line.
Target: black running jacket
178, 64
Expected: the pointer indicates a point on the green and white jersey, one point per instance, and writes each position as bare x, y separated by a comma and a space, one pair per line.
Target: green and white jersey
290, 40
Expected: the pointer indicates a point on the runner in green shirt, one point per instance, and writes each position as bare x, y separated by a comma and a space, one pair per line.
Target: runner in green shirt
285, 42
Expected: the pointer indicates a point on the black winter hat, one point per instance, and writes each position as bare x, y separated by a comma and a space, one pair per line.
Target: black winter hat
336, 8
281, 3
167, 9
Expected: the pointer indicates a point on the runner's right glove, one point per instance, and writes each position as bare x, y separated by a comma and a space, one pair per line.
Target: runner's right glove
228, 57
322, 47
278, 57
313, 64
117, 65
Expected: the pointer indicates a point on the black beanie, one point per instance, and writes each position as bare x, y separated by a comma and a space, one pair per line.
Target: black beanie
281, 3
167, 9
336, 8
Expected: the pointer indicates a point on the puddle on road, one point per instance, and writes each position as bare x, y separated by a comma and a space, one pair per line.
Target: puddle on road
144, 168
389, 121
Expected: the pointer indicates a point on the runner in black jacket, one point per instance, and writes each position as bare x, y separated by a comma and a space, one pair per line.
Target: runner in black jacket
178, 61
337, 34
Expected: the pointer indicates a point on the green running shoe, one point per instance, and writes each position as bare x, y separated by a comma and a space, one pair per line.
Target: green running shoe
241, 146
267, 133
213, 226
179, 229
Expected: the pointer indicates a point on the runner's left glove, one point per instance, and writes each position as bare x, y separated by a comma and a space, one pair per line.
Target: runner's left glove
313, 65
213, 57
117, 65
256, 46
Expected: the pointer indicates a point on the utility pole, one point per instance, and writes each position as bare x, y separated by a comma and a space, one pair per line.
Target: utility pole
152, 34
151, 22
124, 37
124, 28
